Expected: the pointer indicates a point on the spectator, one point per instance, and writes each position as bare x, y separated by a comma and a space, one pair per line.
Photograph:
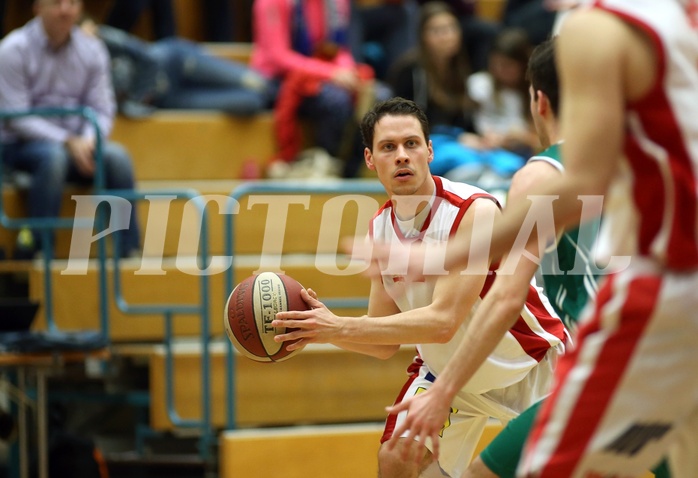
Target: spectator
433, 75
478, 34
50, 62
177, 74
125, 13
302, 46
502, 119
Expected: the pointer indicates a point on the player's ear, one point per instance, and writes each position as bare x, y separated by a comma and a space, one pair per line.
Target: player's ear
430, 147
542, 103
368, 158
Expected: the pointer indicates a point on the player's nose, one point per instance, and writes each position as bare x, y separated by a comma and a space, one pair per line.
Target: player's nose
401, 155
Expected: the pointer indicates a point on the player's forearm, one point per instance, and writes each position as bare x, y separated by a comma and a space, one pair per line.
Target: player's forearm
422, 325
379, 351
494, 317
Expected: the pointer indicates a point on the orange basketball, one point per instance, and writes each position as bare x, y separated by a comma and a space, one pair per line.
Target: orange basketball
250, 309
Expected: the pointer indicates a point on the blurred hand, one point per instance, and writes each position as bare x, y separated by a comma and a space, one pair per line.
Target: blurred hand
493, 140
82, 152
347, 78
471, 140
426, 415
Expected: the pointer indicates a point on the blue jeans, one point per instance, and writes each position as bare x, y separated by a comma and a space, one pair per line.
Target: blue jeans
198, 80
51, 168
330, 112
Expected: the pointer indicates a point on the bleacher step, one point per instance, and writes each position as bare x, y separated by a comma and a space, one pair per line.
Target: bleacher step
321, 385
179, 144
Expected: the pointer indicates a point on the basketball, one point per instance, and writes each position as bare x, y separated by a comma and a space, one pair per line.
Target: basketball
250, 309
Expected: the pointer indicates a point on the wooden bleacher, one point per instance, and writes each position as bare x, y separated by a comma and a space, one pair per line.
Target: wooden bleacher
320, 385
311, 451
177, 145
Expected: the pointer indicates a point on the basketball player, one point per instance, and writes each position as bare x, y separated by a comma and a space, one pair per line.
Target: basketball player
433, 312
568, 289
629, 391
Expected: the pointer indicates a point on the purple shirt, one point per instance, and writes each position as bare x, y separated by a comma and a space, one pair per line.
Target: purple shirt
33, 75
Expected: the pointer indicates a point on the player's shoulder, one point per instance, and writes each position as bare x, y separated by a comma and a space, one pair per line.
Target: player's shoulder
455, 191
591, 27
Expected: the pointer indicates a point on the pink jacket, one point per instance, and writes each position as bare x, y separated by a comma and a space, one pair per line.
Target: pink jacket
273, 55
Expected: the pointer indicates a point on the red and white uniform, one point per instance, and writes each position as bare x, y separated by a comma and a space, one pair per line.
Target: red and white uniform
628, 396
519, 371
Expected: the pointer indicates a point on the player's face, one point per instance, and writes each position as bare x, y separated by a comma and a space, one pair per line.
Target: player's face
401, 156
58, 16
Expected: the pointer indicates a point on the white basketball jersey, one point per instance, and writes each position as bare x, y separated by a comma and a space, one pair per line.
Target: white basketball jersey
660, 168
537, 330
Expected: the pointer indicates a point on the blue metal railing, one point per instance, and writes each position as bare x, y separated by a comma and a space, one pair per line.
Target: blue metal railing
169, 310
46, 226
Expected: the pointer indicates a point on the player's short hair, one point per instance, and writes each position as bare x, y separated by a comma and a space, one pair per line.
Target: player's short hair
396, 106
542, 72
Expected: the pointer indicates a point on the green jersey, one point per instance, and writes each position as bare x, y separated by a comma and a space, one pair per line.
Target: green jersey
568, 273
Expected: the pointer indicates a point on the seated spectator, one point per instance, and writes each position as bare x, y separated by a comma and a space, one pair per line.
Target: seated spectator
174, 73
502, 118
478, 34
50, 62
303, 47
434, 76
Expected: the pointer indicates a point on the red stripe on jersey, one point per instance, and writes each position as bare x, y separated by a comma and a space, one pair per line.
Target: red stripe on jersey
388, 204
609, 368
648, 193
533, 344
662, 127
391, 421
